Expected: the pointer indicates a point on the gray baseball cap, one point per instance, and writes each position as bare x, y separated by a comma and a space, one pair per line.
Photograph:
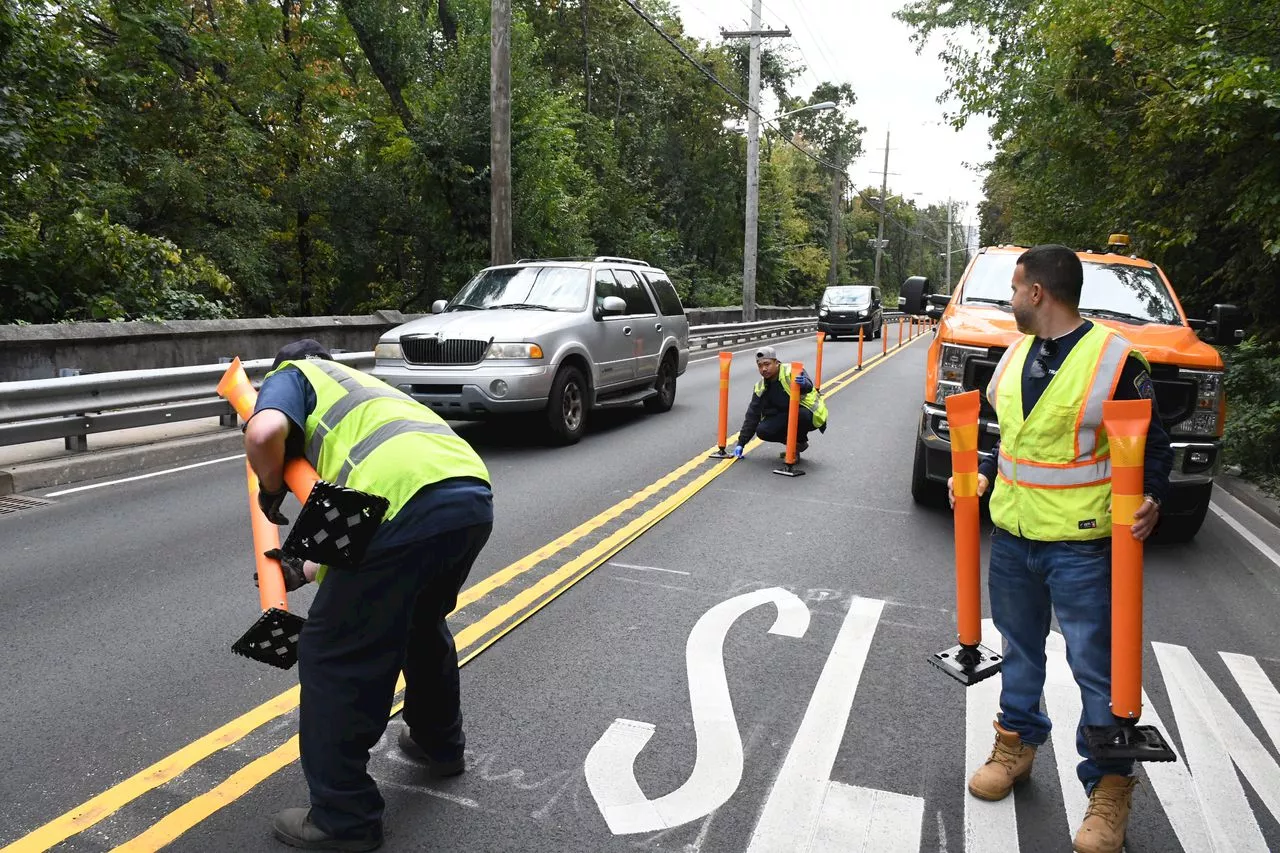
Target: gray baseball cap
766, 352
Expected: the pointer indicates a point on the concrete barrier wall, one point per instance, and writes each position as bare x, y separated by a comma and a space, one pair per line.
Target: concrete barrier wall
40, 352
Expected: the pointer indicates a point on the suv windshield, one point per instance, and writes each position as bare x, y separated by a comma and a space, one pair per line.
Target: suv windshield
545, 288
1111, 291
857, 294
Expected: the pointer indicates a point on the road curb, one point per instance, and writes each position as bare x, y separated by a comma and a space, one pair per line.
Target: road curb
1251, 496
64, 470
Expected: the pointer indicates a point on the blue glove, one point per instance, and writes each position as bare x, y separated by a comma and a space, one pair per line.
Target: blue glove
737, 452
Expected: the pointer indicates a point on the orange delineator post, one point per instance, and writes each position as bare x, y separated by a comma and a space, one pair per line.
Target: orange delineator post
899, 331
793, 424
722, 430
860, 336
1126, 423
817, 371
970, 661
266, 536
884, 341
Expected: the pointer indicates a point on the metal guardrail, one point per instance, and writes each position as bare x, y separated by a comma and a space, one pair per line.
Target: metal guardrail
75, 407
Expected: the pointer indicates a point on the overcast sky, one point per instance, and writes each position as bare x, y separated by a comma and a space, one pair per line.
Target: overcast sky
861, 43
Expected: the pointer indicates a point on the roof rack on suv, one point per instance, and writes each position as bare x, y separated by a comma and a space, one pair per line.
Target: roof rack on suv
593, 259
617, 260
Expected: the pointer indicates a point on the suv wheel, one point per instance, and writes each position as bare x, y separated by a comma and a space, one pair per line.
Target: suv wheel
665, 385
567, 406
923, 490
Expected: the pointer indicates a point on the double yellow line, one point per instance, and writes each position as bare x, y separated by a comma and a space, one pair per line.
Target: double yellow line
498, 622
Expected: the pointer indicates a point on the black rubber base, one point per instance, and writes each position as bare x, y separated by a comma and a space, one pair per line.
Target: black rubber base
789, 471
335, 526
967, 664
1128, 743
273, 639
719, 454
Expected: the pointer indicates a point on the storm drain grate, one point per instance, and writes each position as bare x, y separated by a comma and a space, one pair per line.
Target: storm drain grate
17, 503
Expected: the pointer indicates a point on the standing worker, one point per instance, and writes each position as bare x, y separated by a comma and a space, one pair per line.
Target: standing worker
771, 402
1051, 507
369, 622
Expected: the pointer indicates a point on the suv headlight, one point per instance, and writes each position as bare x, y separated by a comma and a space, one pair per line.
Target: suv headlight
387, 349
824, 311
951, 362
1210, 395
518, 350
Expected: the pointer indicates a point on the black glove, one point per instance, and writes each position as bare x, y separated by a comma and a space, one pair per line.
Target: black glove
291, 567
269, 503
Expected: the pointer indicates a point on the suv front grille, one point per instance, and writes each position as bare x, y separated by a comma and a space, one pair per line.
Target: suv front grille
1175, 398
431, 350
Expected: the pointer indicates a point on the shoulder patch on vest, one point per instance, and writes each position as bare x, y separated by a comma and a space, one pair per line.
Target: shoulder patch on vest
1142, 383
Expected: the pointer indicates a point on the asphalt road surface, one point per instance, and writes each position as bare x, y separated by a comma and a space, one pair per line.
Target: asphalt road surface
662, 652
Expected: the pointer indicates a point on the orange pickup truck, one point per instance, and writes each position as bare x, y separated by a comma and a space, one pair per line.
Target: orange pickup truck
1127, 293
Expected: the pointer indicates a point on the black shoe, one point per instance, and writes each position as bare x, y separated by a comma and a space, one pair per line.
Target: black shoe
435, 769
294, 827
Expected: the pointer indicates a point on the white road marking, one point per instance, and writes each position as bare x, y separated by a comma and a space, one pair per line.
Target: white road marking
1063, 705
143, 476
717, 769
646, 568
1259, 690
863, 820
988, 826
803, 803
1263, 548
1213, 737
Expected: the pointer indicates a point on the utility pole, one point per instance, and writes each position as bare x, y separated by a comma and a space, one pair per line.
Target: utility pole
837, 191
884, 202
948, 223
500, 132
753, 155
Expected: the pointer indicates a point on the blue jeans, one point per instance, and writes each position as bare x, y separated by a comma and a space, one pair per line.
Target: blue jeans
1028, 581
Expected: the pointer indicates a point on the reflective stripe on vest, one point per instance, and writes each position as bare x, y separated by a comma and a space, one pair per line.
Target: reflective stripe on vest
1054, 476
357, 394
994, 385
372, 442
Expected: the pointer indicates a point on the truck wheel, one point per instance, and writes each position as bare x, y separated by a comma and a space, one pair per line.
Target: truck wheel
924, 491
665, 385
567, 406
1184, 526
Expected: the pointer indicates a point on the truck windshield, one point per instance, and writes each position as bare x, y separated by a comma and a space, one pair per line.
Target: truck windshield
851, 295
548, 288
1111, 291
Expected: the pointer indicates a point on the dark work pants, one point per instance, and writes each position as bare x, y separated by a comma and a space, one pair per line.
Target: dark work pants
774, 427
365, 626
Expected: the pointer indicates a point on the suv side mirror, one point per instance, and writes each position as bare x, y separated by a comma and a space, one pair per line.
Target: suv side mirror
912, 300
613, 305
438, 306
1223, 326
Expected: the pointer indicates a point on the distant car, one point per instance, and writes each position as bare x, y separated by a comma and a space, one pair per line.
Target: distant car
845, 308
560, 337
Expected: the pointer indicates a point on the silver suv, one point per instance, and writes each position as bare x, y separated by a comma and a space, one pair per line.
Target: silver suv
559, 336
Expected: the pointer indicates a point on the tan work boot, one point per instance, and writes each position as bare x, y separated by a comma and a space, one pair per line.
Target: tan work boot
1010, 762
1107, 817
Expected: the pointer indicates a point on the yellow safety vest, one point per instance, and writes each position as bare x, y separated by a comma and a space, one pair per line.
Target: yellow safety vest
812, 401
1054, 480
366, 435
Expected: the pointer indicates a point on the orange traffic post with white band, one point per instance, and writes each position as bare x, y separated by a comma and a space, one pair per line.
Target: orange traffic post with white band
899, 331
1126, 423
968, 662
860, 336
266, 537
793, 425
817, 369
884, 341
722, 429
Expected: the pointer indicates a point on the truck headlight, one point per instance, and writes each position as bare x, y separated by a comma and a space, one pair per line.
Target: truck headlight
1206, 419
387, 349
822, 312
516, 350
951, 362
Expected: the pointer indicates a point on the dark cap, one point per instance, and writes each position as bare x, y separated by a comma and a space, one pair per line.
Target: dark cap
305, 348
766, 352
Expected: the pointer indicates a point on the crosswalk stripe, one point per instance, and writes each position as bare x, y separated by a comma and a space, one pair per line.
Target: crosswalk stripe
988, 827
1259, 690
863, 820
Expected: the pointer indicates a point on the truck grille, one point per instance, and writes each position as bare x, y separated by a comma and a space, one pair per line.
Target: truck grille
431, 350
1175, 398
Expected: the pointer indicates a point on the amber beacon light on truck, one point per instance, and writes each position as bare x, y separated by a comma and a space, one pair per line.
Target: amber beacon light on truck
1122, 291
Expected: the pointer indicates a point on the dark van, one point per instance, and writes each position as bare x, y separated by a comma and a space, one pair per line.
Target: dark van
844, 309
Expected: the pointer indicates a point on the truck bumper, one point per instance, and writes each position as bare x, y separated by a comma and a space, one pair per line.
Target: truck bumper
471, 393
1195, 463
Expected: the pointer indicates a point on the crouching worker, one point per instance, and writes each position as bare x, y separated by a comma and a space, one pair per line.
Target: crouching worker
369, 622
771, 403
